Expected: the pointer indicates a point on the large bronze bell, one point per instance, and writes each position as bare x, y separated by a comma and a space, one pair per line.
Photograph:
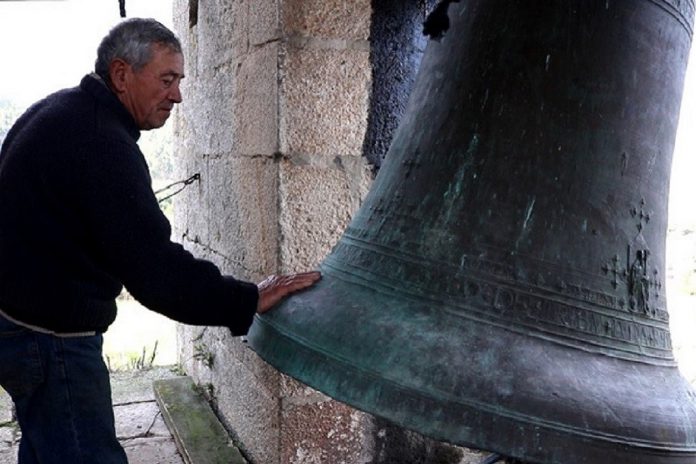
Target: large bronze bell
502, 286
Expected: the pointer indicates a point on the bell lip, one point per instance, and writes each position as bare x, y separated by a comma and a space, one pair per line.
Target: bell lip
488, 425
495, 430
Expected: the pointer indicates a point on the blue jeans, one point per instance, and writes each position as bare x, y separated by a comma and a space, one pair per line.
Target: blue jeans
61, 390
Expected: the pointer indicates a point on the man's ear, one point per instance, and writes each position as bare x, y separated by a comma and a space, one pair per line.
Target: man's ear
118, 70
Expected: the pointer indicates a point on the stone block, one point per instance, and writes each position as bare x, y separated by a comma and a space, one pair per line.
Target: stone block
187, 36
139, 420
148, 451
211, 112
5, 406
180, 11
324, 96
264, 22
9, 438
222, 33
203, 119
8, 456
199, 436
246, 397
185, 340
255, 120
191, 226
245, 389
327, 18
297, 392
242, 203
316, 203
136, 386
334, 435
387, 443
235, 350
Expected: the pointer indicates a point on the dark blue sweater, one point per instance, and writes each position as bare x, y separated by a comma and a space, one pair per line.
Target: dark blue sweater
79, 219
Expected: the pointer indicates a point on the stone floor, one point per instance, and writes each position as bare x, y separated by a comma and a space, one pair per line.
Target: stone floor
139, 424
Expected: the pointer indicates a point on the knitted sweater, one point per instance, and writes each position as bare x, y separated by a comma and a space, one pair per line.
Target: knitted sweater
79, 219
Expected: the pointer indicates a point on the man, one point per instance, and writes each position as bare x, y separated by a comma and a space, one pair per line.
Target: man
78, 219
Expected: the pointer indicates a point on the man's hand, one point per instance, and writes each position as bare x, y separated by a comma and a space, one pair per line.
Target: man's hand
275, 288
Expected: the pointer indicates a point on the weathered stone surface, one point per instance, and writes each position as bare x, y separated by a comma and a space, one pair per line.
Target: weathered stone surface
221, 40
5, 406
264, 22
153, 450
390, 444
334, 435
255, 120
180, 19
332, 19
317, 202
139, 420
244, 388
9, 441
246, 397
242, 198
136, 386
323, 101
199, 436
188, 226
8, 456
213, 108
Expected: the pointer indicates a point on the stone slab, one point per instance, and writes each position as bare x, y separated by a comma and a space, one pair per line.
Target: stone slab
199, 436
139, 420
161, 450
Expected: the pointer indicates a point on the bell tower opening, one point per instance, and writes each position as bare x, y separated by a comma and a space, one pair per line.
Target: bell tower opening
397, 44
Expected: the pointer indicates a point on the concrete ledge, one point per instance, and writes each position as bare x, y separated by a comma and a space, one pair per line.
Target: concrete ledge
199, 435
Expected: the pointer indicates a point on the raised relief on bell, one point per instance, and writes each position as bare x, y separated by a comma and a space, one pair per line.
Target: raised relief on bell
642, 285
638, 283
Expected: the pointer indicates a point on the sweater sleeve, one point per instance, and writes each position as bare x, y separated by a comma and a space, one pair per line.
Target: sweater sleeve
132, 241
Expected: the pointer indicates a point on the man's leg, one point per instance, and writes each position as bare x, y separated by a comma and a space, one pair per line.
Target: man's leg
66, 416
20, 370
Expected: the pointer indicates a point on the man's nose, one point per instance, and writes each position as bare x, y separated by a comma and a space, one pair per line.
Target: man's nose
175, 93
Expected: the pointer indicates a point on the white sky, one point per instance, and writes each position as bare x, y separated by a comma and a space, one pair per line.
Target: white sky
683, 180
49, 45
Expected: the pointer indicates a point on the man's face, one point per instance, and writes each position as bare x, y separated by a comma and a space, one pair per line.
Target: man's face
150, 93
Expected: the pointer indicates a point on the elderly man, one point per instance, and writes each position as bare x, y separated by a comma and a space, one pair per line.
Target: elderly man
79, 219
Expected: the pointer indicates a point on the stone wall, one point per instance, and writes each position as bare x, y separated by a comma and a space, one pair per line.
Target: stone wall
279, 108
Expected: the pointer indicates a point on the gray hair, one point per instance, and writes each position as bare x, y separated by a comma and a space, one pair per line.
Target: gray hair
131, 41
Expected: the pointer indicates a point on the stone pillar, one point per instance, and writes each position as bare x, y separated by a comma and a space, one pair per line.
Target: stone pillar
274, 119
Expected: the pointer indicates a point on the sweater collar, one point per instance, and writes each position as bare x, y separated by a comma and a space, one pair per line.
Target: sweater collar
95, 86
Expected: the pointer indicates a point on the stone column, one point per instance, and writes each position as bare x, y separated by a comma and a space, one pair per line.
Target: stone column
273, 118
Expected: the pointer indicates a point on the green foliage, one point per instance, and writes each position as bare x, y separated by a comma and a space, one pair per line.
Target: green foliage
132, 361
177, 369
202, 353
207, 391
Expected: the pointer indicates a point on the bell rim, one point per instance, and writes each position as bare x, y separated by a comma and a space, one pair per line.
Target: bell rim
301, 358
